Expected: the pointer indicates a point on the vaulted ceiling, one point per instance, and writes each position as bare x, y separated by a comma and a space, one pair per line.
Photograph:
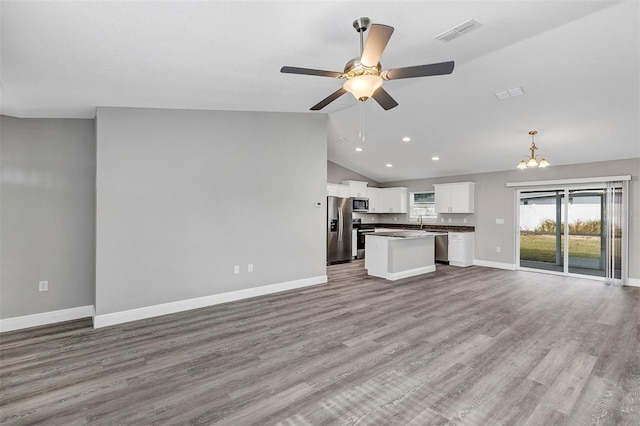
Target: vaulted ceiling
577, 62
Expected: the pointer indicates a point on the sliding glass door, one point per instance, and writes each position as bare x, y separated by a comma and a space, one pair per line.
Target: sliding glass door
573, 230
541, 225
587, 248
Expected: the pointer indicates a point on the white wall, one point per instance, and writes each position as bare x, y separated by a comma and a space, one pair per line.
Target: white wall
47, 200
183, 196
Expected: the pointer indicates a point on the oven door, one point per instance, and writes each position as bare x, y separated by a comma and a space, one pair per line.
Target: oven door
361, 241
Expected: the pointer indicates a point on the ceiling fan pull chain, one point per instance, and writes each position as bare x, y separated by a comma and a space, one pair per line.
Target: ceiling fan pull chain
361, 132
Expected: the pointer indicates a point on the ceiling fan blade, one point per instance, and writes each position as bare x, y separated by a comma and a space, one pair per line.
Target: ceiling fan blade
384, 99
309, 71
377, 40
326, 101
420, 71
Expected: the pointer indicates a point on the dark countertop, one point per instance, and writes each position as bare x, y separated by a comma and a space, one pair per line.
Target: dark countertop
426, 227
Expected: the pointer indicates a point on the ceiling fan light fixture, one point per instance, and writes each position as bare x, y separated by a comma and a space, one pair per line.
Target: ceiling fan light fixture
362, 87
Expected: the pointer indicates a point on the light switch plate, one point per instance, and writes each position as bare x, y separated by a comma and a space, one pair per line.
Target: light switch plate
500, 221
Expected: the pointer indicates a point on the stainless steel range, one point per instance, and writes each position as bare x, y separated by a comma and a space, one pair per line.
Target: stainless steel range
362, 231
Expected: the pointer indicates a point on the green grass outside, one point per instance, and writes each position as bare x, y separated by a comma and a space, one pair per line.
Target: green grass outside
542, 248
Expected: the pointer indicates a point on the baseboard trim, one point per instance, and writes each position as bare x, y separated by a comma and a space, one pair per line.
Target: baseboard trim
393, 276
497, 265
45, 318
633, 282
114, 318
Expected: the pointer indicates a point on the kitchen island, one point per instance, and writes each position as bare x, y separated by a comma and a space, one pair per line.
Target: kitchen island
399, 254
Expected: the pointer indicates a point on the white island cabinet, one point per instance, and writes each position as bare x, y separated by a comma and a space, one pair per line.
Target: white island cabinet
400, 254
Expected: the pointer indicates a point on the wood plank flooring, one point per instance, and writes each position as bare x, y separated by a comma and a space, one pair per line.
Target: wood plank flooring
473, 346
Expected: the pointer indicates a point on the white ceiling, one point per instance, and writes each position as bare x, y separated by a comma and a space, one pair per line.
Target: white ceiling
577, 61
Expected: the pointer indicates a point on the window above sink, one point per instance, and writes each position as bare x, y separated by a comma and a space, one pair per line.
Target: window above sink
423, 204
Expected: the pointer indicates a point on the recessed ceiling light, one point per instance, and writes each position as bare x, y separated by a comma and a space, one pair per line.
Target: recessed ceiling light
389, 165
406, 139
436, 158
359, 149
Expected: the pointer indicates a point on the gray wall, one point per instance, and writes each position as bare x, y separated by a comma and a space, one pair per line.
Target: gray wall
336, 174
495, 201
182, 196
47, 199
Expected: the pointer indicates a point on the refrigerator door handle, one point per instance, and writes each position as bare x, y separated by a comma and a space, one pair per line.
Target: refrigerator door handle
340, 224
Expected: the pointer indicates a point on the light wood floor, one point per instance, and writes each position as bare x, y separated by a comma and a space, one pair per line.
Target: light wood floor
475, 346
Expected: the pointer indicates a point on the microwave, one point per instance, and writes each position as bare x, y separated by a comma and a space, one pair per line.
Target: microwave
360, 204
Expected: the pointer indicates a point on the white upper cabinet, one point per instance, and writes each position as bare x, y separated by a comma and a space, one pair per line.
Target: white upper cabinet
388, 200
375, 200
455, 197
356, 188
337, 190
395, 200
381, 200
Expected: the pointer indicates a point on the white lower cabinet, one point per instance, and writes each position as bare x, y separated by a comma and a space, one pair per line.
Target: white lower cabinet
354, 243
461, 248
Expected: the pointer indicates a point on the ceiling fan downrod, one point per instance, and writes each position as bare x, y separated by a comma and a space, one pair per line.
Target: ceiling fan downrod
361, 25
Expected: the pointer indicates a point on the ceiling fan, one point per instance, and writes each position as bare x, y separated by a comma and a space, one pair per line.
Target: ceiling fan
364, 74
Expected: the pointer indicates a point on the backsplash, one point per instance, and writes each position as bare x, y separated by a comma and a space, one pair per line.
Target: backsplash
443, 221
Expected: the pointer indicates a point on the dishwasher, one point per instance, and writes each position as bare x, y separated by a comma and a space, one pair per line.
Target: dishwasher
442, 249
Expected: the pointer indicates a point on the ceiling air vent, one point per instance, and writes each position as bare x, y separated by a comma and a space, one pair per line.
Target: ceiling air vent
459, 30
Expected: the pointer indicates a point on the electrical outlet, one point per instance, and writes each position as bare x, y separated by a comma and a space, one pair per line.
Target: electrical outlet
442, 219
497, 249
43, 286
250, 267
236, 269
464, 220
449, 220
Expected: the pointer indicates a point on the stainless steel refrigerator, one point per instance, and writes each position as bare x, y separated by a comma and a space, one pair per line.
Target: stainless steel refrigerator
338, 230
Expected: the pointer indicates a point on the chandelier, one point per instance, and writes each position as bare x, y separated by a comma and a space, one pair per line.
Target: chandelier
531, 161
